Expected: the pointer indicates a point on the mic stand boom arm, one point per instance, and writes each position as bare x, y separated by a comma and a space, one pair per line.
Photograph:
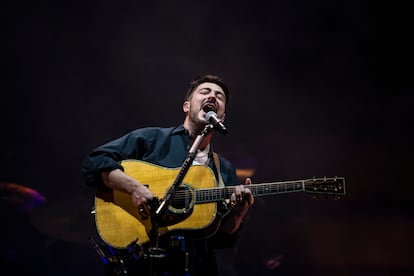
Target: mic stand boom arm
165, 202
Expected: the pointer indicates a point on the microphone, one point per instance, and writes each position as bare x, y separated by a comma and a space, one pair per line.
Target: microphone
211, 117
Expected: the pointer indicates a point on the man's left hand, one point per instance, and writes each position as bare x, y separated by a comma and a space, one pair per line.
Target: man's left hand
242, 199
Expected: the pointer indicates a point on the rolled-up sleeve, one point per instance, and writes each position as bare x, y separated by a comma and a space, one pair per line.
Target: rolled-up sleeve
108, 156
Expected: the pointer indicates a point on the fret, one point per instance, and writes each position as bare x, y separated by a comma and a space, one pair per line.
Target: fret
217, 194
323, 186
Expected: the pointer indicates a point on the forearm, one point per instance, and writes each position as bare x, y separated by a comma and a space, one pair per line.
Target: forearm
241, 200
231, 223
117, 179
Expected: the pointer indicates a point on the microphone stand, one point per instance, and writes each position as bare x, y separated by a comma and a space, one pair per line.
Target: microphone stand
159, 215
162, 208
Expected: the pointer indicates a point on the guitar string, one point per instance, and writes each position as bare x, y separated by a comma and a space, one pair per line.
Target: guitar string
214, 192
265, 188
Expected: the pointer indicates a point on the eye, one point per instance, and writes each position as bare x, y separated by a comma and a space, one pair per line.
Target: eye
205, 91
220, 96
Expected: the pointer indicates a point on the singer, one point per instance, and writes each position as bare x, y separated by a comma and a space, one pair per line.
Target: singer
168, 147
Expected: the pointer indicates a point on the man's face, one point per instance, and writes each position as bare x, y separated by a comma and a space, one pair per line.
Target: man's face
206, 97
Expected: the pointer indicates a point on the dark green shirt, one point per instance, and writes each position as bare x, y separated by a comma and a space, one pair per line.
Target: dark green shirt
167, 147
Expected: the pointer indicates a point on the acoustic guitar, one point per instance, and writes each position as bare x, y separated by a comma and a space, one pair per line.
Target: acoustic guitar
194, 211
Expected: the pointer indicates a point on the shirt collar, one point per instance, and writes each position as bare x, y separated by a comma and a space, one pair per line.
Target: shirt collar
179, 130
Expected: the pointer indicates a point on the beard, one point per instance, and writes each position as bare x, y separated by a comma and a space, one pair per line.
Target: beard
196, 120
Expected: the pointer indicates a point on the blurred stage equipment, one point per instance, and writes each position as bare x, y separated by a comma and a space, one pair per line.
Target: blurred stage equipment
245, 167
67, 219
21, 198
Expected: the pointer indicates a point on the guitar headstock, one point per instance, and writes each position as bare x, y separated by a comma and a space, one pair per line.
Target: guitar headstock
325, 186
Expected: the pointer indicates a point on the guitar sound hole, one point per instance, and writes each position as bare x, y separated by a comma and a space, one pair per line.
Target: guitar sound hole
183, 199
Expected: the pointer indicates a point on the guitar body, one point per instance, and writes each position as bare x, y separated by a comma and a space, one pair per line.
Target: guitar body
119, 223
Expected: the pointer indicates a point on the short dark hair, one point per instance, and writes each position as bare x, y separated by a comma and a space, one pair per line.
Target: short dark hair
207, 78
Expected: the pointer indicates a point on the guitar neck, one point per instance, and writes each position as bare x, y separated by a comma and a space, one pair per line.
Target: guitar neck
263, 189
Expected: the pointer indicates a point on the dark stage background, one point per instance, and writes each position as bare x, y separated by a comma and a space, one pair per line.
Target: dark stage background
311, 97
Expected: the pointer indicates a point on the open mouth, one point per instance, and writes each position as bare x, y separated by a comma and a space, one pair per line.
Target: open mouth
209, 107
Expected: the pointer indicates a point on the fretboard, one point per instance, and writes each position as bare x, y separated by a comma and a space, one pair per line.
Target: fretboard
263, 189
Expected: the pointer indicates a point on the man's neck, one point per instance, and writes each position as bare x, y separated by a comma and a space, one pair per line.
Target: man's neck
194, 132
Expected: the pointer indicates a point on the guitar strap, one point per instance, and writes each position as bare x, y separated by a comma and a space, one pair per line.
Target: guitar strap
217, 163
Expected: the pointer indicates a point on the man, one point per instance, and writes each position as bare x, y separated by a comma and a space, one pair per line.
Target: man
168, 147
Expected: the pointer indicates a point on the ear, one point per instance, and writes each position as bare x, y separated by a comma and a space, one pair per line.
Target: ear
186, 106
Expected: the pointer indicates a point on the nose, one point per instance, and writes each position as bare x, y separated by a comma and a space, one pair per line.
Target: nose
212, 98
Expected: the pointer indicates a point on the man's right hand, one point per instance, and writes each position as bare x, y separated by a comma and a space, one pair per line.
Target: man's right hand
140, 194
